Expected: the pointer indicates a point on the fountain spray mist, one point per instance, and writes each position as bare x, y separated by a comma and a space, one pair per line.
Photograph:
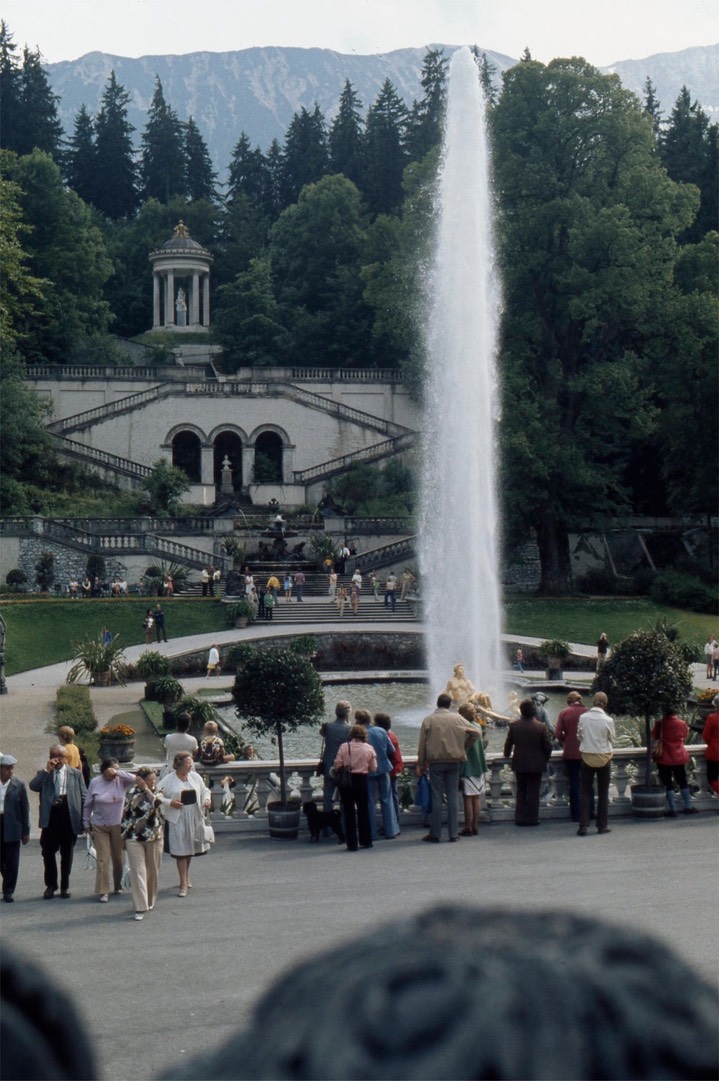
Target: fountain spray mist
459, 526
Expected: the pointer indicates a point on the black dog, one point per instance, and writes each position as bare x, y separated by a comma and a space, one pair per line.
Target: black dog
318, 820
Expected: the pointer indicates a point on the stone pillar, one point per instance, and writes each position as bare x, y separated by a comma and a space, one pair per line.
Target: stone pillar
195, 300
207, 464
206, 300
170, 299
155, 300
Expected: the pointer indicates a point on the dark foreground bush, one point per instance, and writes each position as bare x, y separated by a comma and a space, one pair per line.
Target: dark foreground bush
679, 590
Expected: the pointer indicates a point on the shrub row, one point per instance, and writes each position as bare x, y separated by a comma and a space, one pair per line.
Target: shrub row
73, 708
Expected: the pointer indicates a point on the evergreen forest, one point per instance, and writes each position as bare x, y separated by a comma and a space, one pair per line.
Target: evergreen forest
607, 237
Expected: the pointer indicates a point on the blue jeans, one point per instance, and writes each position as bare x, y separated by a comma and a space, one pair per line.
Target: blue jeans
444, 780
380, 788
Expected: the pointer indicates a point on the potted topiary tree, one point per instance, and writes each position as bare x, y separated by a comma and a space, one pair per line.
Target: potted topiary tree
556, 653
646, 676
275, 692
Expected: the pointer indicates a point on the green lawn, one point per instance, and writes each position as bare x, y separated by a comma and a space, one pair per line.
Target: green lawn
582, 619
41, 632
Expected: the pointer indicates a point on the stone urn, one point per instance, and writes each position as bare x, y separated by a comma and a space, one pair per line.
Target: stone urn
121, 749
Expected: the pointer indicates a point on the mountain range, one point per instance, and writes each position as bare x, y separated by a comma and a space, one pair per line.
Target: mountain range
258, 90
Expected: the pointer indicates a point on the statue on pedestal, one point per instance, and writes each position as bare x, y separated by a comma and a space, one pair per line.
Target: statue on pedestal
181, 308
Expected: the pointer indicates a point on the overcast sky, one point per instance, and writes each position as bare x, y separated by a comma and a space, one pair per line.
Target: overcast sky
600, 30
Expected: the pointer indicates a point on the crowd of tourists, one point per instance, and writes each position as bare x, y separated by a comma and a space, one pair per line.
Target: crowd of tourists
128, 818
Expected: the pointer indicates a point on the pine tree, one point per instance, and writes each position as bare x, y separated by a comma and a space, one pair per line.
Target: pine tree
162, 165
248, 174
201, 178
115, 178
80, 158
651, 106
385, 151
424, 126
29, 107
487, 74
689, 150
272, 198
304, 157
10, 91
346, 137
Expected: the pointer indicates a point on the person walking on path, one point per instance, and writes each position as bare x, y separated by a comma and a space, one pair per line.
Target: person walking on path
672, 761
566, 734
597, 736
709, 655
14, 825
529, 745
341, 599
299, 585
101, 816
213, 662
444, 738
142, 833
602, 650
62, 795
161, 630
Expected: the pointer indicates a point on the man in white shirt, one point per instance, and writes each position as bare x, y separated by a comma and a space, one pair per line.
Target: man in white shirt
596, 735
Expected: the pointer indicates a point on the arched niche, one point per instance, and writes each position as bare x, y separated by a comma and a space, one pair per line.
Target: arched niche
227, 443
269, 448
186, 454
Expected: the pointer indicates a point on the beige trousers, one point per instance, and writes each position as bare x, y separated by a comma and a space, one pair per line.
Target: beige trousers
108, 846
144, 858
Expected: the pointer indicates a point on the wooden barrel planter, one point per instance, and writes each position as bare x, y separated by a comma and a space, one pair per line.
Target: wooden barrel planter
284, 821
648, 801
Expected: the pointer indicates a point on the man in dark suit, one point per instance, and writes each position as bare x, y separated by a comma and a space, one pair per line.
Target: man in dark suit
334, 733
530, 746
62, 795
14, 824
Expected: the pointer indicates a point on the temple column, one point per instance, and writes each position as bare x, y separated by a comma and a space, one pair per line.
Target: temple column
206, 300
170, 299
155, 300
195, 300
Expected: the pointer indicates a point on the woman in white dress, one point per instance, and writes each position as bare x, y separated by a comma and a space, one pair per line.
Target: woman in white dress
189, 798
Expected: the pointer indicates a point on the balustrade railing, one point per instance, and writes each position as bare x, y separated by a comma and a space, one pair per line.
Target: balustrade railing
257, 784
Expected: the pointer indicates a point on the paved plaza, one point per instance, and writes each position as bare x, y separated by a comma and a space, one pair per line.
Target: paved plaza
155, 992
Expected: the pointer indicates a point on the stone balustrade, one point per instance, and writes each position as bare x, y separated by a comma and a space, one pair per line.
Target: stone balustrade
257, 783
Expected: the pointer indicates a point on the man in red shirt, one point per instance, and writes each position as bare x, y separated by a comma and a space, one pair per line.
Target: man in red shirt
566, 733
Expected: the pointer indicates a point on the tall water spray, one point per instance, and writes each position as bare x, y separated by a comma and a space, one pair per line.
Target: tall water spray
459, 527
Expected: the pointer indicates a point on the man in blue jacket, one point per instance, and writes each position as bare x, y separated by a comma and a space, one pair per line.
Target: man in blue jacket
14, 824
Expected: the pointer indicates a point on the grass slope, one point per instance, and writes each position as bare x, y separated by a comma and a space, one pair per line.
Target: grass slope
42, 631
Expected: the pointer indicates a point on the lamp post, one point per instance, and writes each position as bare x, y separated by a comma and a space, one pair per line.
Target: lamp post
3, 685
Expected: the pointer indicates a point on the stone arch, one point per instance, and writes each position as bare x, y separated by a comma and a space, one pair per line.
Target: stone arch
269, 446
228, 441
186, 445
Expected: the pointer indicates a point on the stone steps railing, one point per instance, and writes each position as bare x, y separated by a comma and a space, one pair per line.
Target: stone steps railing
139, 400
189, 371
256, 784
125, 467
386, 449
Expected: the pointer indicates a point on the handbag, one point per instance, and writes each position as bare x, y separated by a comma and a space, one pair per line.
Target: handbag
204, 834
342, 775
423, 795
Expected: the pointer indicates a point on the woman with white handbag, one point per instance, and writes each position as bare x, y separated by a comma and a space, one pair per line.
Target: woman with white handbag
188, 798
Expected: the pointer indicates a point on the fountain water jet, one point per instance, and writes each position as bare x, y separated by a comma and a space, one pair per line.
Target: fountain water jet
459, 524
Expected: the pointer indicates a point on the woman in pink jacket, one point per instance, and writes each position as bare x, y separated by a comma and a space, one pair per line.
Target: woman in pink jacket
671, 764
360, 756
